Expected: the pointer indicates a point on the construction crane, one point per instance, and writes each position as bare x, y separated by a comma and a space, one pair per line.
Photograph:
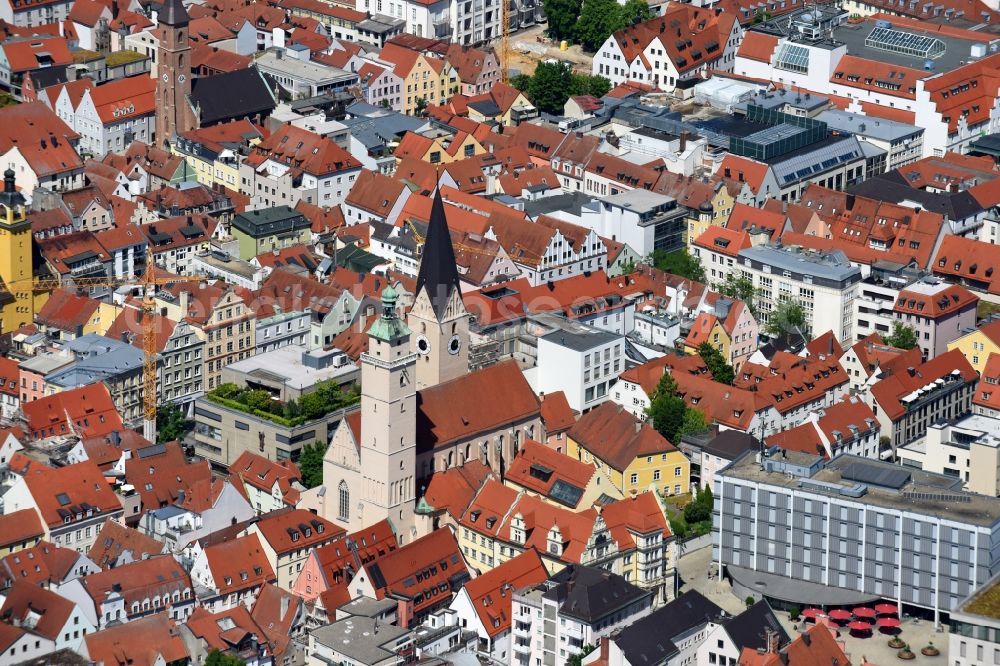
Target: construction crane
148, 281
505, 41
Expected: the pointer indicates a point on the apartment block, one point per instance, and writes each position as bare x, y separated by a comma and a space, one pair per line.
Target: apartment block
850, 530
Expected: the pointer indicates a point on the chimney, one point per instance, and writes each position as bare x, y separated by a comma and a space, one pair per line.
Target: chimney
683, 142
184, 302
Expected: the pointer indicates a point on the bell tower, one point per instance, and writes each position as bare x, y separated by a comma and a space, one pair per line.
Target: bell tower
15, 259
388, 447
438, 318
173, 87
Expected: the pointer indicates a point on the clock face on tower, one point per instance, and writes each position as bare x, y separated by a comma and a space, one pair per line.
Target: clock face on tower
181, 78
454, 345
423, 345
165, 77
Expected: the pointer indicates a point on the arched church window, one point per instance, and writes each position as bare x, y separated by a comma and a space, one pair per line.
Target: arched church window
344, 503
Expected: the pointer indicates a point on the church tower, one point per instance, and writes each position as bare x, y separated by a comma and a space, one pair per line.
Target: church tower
15, 259
173, 111
438, 318
388, 451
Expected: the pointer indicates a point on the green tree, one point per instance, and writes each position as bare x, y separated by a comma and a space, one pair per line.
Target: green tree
577, 659
785, 318
421, 106
740, 288
700, 508
721, 371
584, 84
693, 421
520, 82
228, 391
666, 408
217, 658
902, 336
311, 464
636, 11
561, 16
550, 86
170, 423
256, 399
598, 19
677, 263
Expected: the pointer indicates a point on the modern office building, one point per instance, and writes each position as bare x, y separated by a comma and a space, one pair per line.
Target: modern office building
852, 530
825, 284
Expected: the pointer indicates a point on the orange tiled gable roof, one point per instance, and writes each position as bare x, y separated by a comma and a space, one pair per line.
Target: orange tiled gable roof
973, 261
454, 489
115, 539
70, 493
902, 379
42, 564
263, 474
142, 642
140, 580
162, 474
691, 36
239, 564
527, 469
615, 436
24, 600
640, 515
950, 299
454, 411
492, 592
87, 411
988, 391
19, 526
295, 529
303, 152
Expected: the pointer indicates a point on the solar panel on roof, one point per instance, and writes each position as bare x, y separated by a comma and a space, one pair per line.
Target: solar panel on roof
905, 43
566, 493
877, 475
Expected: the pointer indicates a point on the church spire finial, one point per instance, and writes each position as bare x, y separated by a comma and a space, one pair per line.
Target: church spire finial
438, 273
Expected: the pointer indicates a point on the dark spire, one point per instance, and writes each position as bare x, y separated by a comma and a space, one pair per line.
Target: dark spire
173, 13
10, 197
438, 272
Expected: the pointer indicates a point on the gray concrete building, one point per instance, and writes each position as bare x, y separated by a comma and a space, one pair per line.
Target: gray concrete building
852, 530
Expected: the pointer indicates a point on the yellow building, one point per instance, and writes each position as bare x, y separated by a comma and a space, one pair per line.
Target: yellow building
213, 153
629, 537
707, 328
422, 77
19, 301
978, 344
709, 204
631, 454
440, 150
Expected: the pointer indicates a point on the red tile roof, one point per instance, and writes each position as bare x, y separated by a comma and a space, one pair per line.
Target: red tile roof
988, 391
24, 600
275, 611
106, 450
701, 36
23, 56
758, 46
453, 411
114, 540
949, 300
287, 531
124, 99
901, 380
142, 642
263, 474
20, 526
615, 436
972, 261
163, 478
492, 592
557, 415
31, 128
454, 489
537, 468
640, 515
341, 559
575, 528
432, 562
65, 310
71, 492
43, 564
238, 565
302, 152
225, 631
160, 576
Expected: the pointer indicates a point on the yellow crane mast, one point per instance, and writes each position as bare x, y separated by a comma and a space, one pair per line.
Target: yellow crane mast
505, 41
149, 281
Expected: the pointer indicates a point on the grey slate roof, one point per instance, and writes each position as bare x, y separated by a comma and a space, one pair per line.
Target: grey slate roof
589, 594
730, 444
238, 94
647, 642
892, 187
749, 628
270, 221
438, 273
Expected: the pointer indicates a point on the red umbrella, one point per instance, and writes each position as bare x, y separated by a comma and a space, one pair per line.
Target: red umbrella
857, 625
812, 613
839, 614
864, 612
887, 622
886, 609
